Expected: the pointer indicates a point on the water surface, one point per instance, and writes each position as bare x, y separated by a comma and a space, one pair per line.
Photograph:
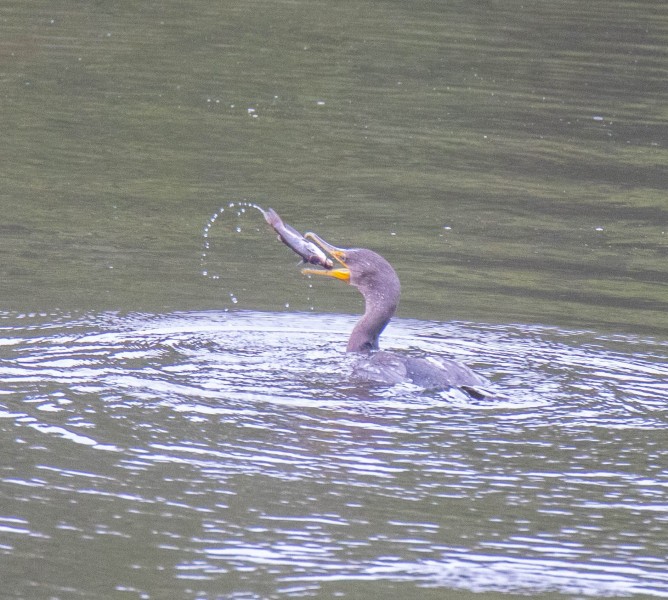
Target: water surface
227, 455
180, 425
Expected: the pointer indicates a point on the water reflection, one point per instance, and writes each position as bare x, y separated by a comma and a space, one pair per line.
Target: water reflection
209, 445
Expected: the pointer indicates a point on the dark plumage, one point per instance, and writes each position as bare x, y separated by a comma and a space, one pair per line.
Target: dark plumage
379, 284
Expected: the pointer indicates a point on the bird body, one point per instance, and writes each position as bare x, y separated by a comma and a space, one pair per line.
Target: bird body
431, 373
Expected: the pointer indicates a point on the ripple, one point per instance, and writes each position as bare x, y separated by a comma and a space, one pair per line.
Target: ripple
237, 440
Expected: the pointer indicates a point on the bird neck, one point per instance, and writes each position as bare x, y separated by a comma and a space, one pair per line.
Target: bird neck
365, 334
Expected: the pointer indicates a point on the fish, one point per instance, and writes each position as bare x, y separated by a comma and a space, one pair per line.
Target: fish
307, 250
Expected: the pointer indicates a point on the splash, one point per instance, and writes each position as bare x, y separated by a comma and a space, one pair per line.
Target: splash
234, 208
235, 218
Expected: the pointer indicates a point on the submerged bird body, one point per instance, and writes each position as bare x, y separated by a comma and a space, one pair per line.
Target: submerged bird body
432, 373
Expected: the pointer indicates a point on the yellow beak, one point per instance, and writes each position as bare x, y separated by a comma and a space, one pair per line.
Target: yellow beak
338, 254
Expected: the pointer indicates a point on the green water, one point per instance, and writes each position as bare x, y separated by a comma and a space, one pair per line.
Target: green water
535, 133
509, 158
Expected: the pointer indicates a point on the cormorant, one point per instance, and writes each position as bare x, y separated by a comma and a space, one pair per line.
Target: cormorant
377, 281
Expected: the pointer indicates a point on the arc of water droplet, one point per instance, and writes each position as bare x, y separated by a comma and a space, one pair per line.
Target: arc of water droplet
241, 208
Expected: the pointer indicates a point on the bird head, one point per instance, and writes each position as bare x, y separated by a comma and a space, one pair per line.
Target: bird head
364, 269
